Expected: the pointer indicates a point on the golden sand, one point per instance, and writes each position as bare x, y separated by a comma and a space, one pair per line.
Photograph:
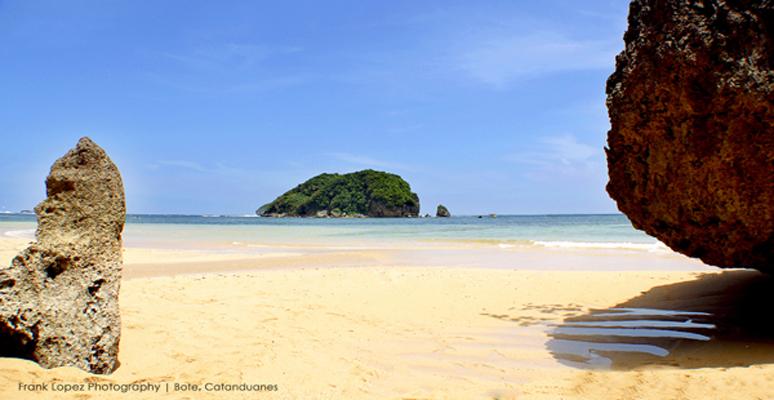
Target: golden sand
374, 332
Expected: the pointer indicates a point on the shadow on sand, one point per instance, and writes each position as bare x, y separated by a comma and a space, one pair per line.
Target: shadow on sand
717, 320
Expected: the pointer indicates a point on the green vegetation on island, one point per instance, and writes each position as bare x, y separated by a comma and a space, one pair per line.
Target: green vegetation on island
365, 193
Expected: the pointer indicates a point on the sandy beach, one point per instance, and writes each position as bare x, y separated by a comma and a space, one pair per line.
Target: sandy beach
197, 320
404, 200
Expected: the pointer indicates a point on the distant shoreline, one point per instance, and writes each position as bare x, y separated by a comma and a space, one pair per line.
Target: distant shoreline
32, 215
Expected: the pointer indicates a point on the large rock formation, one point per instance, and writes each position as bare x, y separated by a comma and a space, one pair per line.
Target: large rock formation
59, 297
364, 193
691, 149
442, 212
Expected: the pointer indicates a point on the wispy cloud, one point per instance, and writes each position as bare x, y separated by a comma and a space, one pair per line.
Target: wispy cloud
217, 168
191, 165
366, 161
501, 59
405, 129
230, 55
228, 68
495, 58
561, 155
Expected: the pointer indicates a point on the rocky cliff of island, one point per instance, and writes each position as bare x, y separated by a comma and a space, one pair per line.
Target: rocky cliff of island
691, 146
365, 193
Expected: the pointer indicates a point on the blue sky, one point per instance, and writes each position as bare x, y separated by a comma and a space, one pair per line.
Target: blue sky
218, 107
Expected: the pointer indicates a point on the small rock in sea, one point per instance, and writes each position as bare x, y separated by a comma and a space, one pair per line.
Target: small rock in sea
442, 212
59, 297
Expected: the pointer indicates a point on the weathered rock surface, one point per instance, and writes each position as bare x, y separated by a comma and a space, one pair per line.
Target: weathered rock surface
59, 297
442, 212
691, 145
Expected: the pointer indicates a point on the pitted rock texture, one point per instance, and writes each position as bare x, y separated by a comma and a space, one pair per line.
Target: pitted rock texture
59, 297
691, 147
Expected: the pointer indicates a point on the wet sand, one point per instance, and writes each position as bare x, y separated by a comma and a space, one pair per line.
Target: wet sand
346, 324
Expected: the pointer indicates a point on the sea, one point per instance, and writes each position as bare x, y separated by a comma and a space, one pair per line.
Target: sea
552, 231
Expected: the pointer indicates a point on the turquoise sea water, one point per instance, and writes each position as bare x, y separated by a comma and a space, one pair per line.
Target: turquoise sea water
550, 230
540, 242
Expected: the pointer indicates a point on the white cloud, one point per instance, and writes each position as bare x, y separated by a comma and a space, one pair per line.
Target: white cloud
562, 154
501, 59
217, 168
567, 150
365, 161
183, 164
230, 55
227, 68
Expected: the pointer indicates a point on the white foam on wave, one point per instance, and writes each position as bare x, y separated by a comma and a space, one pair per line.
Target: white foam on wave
21, 233
650, 247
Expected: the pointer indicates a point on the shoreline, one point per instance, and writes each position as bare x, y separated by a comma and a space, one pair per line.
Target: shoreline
142, 257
